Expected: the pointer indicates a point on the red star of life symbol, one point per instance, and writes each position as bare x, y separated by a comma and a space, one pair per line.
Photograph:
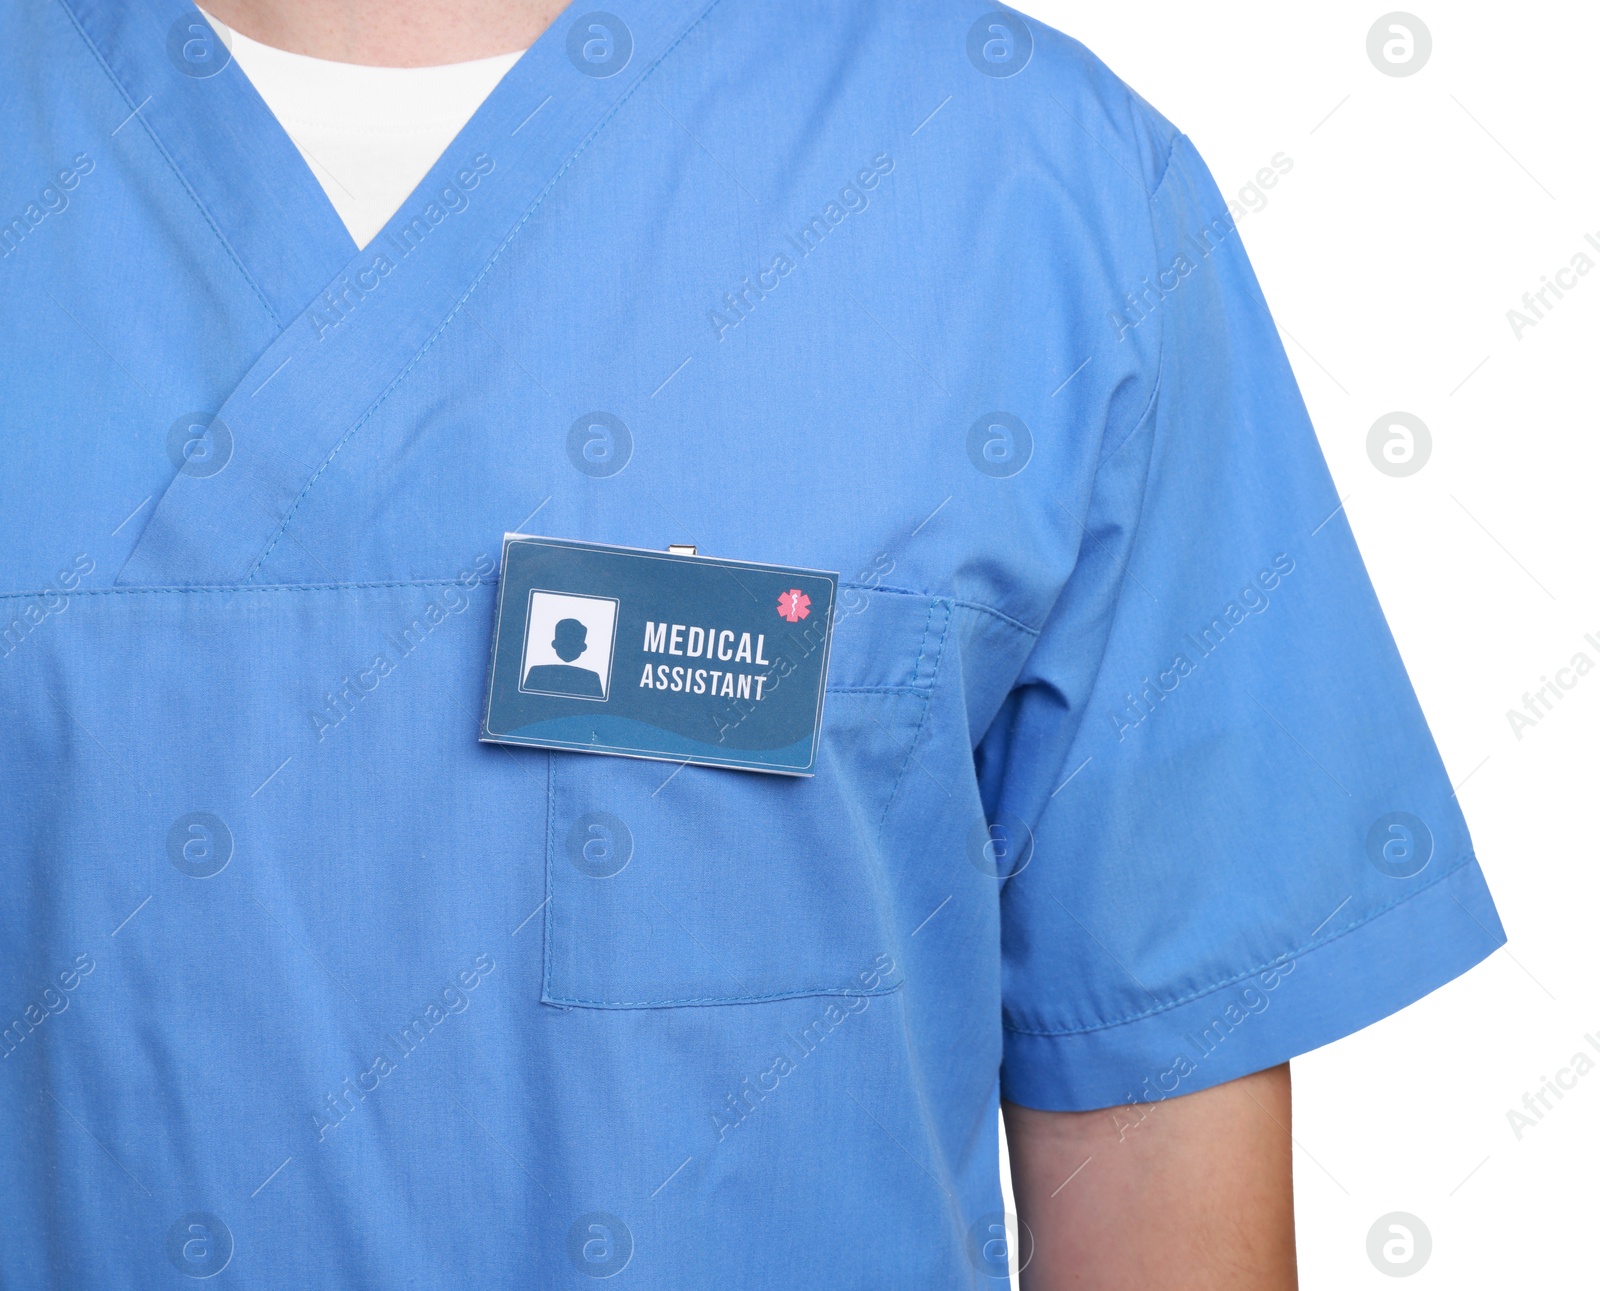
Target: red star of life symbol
794, 605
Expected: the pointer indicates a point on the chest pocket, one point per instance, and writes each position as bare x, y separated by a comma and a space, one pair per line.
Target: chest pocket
701, 886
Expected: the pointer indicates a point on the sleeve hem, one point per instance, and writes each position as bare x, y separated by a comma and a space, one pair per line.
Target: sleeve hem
1340, 985
1290, 956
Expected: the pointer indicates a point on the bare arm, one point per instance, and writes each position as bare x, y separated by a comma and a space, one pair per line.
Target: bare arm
1196, 1191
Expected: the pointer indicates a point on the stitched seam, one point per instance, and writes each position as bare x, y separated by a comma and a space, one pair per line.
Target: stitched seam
183, 183
227, 588
927, 703
960, 604
549, 864
812, 991
1201, 993
1106, 453
922, 646
488, 581
472, 287
989, 611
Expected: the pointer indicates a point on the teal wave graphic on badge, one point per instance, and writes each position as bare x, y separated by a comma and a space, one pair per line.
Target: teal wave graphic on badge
608, 733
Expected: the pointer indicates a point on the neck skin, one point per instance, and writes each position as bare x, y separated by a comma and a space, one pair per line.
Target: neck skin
390, 33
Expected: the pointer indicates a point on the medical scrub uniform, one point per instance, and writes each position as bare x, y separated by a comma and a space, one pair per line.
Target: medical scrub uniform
1121, 788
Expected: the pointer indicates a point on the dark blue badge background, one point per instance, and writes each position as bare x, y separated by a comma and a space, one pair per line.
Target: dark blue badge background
776, 733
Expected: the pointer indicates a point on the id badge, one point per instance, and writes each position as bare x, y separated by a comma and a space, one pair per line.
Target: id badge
649, 654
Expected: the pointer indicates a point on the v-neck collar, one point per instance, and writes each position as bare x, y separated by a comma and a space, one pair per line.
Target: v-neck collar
350, 330
224, 145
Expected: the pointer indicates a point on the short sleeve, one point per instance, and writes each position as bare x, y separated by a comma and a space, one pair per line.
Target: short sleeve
1235, 839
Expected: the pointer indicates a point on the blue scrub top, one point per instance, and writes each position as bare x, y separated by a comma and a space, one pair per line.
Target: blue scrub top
1122, 789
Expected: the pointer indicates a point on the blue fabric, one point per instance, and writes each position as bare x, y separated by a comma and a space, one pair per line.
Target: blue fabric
1123, 790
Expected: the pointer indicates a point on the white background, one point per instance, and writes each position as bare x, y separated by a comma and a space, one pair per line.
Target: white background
1416, 215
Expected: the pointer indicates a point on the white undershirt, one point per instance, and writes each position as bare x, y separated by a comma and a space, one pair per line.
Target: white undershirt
369, 134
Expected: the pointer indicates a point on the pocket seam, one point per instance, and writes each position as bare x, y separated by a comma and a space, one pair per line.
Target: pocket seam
934, 607
924, 676
549, 871
803, 992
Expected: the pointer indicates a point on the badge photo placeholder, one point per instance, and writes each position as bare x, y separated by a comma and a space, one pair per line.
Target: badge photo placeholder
566, 637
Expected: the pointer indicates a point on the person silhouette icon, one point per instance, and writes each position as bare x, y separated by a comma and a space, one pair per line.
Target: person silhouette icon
570, 641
